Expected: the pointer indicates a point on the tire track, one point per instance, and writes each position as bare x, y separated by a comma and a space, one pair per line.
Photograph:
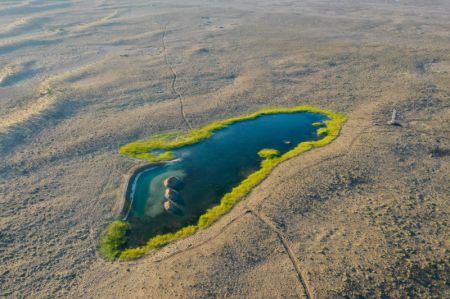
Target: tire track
288, 250
174, 79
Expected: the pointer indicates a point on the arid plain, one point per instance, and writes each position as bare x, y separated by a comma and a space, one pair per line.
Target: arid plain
364, 217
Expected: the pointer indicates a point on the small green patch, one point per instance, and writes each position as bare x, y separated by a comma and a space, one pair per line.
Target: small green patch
323, 131
166, 156
114, 239
317, 124
268, 153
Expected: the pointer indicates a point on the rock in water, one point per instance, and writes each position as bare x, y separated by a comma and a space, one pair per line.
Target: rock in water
172, 208
173, 196
173, 183
169, 206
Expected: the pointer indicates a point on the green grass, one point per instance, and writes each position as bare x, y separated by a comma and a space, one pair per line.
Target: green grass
141, 149
268, 153
114, 238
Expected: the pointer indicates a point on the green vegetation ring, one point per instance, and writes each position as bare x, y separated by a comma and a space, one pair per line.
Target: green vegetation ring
114, 237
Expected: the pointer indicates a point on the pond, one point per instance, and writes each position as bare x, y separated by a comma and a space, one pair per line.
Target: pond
209, 169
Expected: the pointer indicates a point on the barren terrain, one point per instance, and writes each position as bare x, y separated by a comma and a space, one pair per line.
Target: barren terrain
366, 216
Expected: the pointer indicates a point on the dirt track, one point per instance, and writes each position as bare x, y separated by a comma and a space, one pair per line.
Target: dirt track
364, 216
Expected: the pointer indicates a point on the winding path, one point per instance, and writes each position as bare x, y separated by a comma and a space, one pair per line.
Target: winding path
287, 248
174, 79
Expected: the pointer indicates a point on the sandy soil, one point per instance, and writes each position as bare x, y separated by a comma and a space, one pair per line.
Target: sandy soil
366, 216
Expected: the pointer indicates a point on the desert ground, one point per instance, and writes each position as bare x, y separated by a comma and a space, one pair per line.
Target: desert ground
367, 216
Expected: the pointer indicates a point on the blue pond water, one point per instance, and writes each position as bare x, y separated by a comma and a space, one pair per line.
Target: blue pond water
211, 168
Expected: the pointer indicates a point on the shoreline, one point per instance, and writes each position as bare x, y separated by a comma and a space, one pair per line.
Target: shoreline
330, 131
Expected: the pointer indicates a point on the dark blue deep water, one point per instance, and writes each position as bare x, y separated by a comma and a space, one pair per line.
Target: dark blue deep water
211, 168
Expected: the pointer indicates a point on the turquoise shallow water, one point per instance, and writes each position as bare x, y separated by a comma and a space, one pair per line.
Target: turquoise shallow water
211, 168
